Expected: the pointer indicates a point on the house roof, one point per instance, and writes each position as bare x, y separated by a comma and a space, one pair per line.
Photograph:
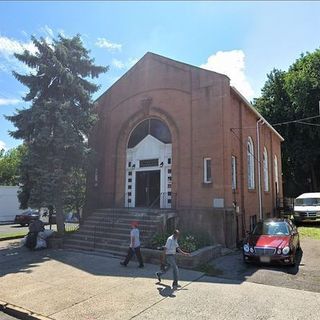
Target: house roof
183, 64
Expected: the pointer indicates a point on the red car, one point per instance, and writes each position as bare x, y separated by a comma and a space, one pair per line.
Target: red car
25, 218
272, 241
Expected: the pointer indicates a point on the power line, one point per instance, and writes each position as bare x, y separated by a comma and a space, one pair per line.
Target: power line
301, 121
310, 124
295, 121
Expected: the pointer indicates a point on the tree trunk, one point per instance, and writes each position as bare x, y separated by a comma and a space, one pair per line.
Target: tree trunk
60, 217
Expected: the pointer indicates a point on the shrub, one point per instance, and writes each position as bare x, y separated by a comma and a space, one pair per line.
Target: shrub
188, 241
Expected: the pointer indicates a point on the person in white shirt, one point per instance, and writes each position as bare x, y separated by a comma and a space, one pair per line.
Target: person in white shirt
134, 247
170, 250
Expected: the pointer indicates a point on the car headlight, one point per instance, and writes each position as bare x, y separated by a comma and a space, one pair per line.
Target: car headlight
246, 248
251, 250
279, 251
285, 250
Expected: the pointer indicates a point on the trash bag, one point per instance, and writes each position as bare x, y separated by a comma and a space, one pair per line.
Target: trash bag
31, 240
41, 243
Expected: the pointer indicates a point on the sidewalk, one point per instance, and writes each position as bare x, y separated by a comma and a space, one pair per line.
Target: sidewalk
65, 285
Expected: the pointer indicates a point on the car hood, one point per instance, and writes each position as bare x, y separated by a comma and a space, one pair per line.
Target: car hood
269, 241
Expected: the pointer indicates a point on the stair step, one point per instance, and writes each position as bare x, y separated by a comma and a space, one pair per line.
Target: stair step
107, 230
127, 215
120, 220
117, 235
85, 245
115, 229
92, 237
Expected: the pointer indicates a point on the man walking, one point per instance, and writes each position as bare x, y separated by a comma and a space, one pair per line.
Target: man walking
134, 247
170, 250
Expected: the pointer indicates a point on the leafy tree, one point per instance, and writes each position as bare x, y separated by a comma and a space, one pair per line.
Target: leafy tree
56, 125
10, 165
288, 96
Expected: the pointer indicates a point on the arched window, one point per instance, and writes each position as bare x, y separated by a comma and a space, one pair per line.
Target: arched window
250, 159
265, 169
154, 127
276, 173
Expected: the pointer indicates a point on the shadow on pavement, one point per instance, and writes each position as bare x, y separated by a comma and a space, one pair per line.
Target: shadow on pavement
232, 269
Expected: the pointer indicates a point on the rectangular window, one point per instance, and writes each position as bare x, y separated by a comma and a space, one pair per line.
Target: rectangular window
207, 176
234, 172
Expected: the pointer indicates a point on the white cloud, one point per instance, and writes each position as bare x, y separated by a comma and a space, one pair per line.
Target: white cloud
118, 64
232, 64
10, 46
124, 64
2, 145
7, 102
110, 46
48, 31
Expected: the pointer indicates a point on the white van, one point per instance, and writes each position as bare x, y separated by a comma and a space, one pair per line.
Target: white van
307, 207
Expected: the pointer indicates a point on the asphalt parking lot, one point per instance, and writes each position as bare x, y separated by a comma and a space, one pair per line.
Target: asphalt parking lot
304, 276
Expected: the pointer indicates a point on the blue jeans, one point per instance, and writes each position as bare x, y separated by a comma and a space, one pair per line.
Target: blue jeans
171, 262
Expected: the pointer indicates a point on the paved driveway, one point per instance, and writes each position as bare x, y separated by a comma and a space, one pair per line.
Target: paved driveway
305, 276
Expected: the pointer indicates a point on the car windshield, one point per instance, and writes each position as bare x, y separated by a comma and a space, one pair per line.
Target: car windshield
271, 228
307, 202
30, 213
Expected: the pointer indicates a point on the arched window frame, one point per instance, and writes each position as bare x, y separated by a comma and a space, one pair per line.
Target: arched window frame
266, 170
149, 126
250, 164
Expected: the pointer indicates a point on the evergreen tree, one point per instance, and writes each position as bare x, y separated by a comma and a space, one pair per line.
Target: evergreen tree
56, 125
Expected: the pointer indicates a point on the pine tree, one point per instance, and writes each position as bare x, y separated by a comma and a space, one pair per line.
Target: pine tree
56, 125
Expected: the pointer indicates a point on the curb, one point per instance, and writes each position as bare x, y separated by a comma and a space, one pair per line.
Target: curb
20, 313
13, 238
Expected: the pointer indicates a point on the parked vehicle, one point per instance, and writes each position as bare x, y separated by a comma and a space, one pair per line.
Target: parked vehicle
272, 241
25, 218
307, 207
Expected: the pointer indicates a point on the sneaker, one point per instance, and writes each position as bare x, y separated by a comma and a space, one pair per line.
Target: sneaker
158, 276
123, 264
141, 266
175, 285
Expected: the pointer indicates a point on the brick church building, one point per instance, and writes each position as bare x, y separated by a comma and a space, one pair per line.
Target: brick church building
176, 137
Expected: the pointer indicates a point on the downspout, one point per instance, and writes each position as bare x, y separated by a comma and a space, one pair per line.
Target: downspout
260, 121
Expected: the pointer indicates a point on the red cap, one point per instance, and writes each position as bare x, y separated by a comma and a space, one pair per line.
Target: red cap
134, 223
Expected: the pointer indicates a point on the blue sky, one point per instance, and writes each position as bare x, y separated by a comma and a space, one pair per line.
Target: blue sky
245, 40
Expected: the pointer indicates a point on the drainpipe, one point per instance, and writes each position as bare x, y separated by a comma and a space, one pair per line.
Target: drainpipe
260, 121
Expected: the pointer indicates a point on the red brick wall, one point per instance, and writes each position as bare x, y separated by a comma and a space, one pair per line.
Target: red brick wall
200, 109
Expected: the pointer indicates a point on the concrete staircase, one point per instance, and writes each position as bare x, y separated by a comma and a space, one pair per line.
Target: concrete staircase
108, 230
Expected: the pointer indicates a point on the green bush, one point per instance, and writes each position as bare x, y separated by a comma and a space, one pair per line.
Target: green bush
188, 241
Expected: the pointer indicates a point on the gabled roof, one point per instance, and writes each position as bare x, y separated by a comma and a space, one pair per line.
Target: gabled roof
164, 59
188, 66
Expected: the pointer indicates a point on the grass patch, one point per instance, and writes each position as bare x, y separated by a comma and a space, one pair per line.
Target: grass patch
209, 270
310, 232
12, 235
